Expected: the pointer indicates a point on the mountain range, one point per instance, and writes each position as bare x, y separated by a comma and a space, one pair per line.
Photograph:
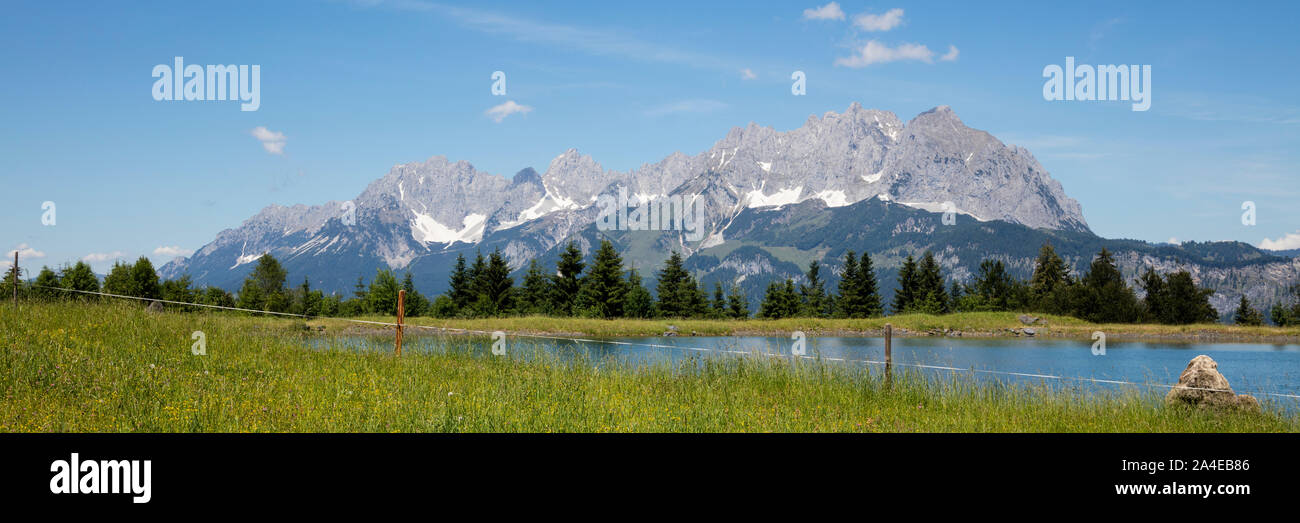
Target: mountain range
772, 202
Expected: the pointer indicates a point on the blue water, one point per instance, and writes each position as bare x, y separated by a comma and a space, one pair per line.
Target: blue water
1250, 367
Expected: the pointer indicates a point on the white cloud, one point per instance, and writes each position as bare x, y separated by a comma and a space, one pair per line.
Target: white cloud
829, 11
1173, 240
875, 52
1285, 243
869, 22
748, 74
272, 141
951, 55
24, 251
172, 251
97, 257
500, 112
686, 106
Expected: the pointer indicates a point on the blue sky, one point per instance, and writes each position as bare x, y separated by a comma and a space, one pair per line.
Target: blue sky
356, 87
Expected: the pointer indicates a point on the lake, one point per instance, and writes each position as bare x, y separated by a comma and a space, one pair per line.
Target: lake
1250, 367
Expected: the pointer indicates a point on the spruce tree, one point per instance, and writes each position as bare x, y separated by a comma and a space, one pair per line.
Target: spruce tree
603, 288
719, 302
993, 287
1104, 298
638, 303
565, 284
905, 295
773, 306
1050, 274
793, 306
812, 296
868, 295
676, 289
1154, 306
535, 295
1187, 302
737, 303
459, 285
931, 295
494, 286
849, 292
1246, 314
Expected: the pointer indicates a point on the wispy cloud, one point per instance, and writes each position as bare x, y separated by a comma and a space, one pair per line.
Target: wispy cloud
97, 257
686, 106
500, 112
882, 22
1232, 107
172, 251
1286, 242
829, 11
272, 141
875, 52
748, 74
951, 55
599, 42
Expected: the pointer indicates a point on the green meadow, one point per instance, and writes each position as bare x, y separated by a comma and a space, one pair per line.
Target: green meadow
115, 367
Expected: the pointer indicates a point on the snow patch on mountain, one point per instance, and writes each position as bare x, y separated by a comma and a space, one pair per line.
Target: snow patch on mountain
424, 228
756, 198
833, 198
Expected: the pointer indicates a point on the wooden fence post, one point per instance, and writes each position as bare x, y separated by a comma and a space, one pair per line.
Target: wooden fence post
401, 312
15, 277
889, 355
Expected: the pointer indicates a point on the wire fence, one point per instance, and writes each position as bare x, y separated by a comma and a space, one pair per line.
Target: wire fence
1099, 381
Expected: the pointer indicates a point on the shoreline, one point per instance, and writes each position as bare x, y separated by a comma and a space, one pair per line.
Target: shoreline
982, 326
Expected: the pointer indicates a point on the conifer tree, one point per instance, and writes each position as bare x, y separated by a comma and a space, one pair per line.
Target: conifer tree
603, 288
719, 309
868, 295
638, 303
535, 295
848, 289
565, 284
812, 296
907, 286
737, 303
459, 284
1246, 314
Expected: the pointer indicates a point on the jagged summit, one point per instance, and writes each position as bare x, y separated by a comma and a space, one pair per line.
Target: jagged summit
421, 208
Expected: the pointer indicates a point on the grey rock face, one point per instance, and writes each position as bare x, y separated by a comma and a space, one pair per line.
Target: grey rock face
439, 206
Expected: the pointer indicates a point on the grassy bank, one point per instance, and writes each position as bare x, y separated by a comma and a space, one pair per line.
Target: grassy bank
968, 324
117, 367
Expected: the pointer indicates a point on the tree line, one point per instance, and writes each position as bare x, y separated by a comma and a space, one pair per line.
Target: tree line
602, 288
1100, 295
597, 288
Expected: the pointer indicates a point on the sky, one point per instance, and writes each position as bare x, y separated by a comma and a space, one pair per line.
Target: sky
350, 88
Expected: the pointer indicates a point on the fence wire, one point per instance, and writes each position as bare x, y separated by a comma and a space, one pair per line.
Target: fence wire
678, 347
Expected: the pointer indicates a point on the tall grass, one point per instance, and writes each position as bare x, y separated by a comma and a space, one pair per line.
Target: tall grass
116, 367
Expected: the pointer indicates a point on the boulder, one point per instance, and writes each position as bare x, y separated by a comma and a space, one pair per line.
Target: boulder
155, 306
1029, 320
1201, 385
